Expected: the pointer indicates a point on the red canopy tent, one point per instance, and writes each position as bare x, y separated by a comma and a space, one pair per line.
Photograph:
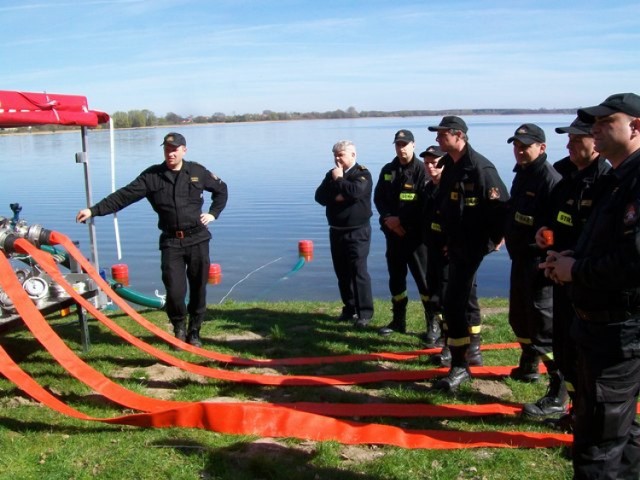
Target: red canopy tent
22, 109
19, 109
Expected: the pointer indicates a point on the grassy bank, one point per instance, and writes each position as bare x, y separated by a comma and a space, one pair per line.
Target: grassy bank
38, 443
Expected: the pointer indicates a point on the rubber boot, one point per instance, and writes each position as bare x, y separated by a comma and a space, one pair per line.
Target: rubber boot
553, 403
565, 422
474, 354
442, 359
459, 372
441, 341
180, 329
433, 332
527, 369
193, 333
399, 322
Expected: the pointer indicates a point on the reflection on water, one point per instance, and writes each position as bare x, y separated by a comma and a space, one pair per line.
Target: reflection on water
272, 170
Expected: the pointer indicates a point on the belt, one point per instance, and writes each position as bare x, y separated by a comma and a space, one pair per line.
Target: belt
183, 233
606, 316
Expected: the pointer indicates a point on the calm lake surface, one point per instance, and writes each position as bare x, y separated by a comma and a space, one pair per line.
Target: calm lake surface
272, 170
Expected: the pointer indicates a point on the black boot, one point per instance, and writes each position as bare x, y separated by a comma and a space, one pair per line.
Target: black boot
564, 423
527, 369
193, 338
474, 354
459, 372
553, 403
193, 333
433, 332
399, 322
180, 329
442, 359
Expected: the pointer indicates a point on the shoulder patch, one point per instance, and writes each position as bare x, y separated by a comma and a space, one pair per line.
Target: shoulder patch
362, 167
214, 177
494, 193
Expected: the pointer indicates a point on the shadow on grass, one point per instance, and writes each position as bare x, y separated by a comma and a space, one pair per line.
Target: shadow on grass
265, 459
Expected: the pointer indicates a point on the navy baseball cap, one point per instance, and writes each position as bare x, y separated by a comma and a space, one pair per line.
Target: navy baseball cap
577, 127
450, 122
528, 133
628, 103
403, 136
174, 139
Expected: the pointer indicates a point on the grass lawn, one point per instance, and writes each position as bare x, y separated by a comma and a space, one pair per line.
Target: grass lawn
37, 442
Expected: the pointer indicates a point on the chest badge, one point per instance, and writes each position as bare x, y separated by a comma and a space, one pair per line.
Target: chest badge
630, 214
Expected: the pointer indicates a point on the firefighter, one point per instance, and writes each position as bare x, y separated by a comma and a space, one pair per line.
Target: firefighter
472, 203
530, 292
345, 191
175, 191
603, 275
398, 199
437, 267
572, 201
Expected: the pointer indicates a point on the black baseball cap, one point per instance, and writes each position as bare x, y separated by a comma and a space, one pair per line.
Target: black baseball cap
174, 139
628, 103
450, 122
403, 136
577, 127
528, 133
432, 151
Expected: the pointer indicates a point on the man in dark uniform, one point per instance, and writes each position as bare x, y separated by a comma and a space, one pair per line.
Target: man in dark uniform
436, 259
603, 274
530, 292
472, 200
346, 194
175, 189
572, 201
398, 199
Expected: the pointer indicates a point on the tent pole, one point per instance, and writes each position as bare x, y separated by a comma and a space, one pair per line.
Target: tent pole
83, 158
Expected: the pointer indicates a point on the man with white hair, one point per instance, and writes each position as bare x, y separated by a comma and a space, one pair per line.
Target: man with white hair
345, 191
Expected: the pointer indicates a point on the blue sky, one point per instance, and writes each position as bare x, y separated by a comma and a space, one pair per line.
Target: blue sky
246, 56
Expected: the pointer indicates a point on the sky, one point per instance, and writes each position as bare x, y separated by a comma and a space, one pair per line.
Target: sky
195, 57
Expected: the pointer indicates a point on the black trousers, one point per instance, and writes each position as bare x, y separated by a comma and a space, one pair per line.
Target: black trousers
460, 306
530, 305
606, 434
182, 266
349, 252
406, 253
437, 276
564, 348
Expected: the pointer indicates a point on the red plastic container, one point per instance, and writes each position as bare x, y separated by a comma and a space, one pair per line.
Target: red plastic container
120, 273
215, 274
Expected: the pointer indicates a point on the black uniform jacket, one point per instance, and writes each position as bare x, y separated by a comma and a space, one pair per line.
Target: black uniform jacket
434, 237
529, 206
355, 208
176, 198
472, 203
572, 201
398, 193
606, 274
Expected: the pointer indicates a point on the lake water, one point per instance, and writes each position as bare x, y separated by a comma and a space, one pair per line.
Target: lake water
272, 170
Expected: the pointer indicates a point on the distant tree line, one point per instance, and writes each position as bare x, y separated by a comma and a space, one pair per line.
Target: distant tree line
146, 118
